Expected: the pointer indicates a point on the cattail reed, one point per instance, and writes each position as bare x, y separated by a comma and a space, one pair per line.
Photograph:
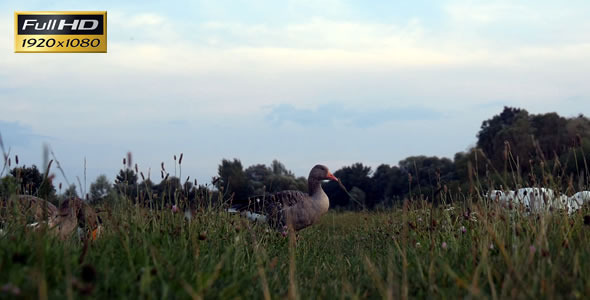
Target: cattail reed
16, 159
142, 177
129, 158
180, 159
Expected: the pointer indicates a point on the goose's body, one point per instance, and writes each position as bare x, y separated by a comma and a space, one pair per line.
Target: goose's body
72, 215
294, 208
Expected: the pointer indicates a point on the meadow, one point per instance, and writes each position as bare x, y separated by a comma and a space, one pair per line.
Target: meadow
474, 249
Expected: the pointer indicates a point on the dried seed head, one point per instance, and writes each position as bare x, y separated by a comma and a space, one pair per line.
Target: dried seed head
60, 186
142, 177
162, 164
124, 161
180, 159
129, 158
174, 157
16, 159
136, 168
162, 174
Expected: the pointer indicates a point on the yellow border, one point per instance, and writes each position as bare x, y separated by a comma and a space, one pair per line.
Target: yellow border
101, 12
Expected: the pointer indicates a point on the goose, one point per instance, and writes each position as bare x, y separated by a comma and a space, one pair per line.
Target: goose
72, 214
32, 208
75, 214
290, 208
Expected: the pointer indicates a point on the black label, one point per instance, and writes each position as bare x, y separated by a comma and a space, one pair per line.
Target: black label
61, 24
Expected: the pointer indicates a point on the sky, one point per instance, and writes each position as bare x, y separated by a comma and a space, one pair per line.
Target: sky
305, 82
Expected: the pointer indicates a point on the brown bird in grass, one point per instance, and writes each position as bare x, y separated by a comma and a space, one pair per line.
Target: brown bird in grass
73, 214
294, 208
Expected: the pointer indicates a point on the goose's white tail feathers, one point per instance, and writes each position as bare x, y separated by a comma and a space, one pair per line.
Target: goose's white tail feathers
254, 216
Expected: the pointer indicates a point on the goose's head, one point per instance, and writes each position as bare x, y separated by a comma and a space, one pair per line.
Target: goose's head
321, 172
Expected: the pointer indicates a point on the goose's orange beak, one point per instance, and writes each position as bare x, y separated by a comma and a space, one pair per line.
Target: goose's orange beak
331, 176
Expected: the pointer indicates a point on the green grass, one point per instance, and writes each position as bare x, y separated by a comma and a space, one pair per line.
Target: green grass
388, 254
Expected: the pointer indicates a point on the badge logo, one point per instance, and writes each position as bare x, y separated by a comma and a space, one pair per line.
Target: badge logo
66, 32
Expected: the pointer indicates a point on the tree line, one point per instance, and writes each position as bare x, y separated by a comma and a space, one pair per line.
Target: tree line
514, 149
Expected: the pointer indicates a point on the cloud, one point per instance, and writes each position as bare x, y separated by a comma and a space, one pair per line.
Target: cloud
19, 135
331, 114
222, 83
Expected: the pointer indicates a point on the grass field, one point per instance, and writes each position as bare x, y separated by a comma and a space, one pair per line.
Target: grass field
417, 252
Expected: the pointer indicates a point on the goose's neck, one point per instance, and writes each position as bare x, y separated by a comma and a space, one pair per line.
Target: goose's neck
314, 186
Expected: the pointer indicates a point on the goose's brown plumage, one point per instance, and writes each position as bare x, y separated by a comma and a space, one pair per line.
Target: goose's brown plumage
294, 208
72, 213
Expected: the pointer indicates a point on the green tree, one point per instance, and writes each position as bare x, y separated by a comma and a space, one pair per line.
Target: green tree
71, 192
8, 186
389, 183
356, 175
429, 174
33, 182
233, 179
259, 176
100, 189
126, 183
